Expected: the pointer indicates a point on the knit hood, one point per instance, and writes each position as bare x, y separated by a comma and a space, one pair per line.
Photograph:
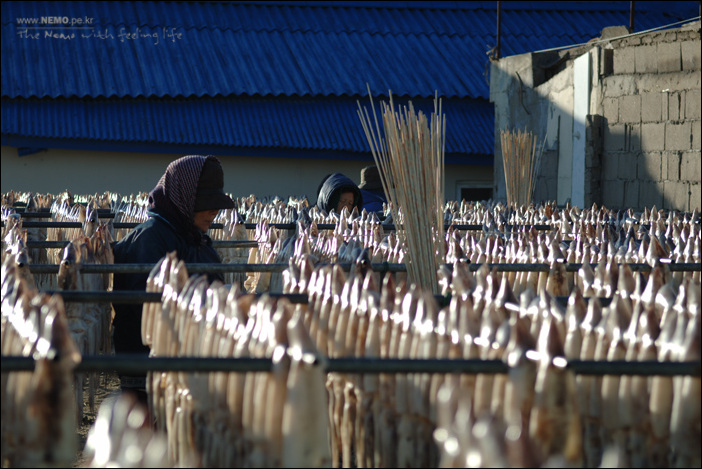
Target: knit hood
173, 198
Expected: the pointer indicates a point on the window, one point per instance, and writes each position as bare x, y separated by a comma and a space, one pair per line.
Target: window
474, 194
473, 191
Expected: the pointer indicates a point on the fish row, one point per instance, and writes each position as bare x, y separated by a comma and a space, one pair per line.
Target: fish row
634, 421
593, 233
90, 323
380, 420
573, 420
38, 408
349, 238
255, 419
234, 230
488, 213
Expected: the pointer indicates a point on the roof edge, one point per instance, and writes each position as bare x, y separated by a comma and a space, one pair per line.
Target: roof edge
41, 143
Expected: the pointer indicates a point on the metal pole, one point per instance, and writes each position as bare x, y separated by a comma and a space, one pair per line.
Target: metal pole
282, 226
215, 243
321, 226
499, 30
102, 213
141, 364
138, 296
378, 267
631, 17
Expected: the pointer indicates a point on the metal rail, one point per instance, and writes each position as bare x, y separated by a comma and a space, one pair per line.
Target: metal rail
284, 226
138, 296
128, 363
46, 213
108, 213
215, 243
377, 267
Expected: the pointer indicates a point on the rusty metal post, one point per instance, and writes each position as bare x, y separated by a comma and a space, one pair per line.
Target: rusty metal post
499, 27
631, 17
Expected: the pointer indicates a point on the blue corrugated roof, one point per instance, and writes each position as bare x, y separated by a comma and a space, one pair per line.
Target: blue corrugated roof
254, 122
265, 74
232, 48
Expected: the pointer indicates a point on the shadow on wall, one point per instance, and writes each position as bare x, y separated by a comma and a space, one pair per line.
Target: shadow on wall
643, 166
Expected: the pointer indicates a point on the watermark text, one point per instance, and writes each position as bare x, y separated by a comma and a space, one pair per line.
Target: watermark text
65, 28
60, 21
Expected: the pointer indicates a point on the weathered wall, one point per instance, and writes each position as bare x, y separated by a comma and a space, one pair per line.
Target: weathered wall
525, 101
89, 172
651, 108
642, 128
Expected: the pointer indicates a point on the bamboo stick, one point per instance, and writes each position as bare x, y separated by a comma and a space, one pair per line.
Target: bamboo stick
410, 157
520, 161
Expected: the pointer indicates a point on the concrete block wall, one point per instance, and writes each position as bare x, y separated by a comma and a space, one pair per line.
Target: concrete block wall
650, 106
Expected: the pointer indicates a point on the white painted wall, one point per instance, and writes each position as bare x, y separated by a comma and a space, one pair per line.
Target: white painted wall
581, 108
87, 172
557, 95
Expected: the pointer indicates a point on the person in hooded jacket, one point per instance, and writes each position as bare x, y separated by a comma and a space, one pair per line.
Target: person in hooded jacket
372, 189
182, 207
338, 191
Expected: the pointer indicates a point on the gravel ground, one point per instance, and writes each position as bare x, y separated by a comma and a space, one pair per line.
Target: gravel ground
108, 387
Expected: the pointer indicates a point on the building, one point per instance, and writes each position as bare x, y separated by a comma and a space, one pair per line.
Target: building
100, 96
618, 119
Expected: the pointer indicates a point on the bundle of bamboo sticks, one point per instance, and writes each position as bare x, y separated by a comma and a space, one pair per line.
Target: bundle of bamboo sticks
411, 162
520, 163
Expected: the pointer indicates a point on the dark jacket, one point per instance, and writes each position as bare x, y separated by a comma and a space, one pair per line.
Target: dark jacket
330, 192
373, 201
148, 243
